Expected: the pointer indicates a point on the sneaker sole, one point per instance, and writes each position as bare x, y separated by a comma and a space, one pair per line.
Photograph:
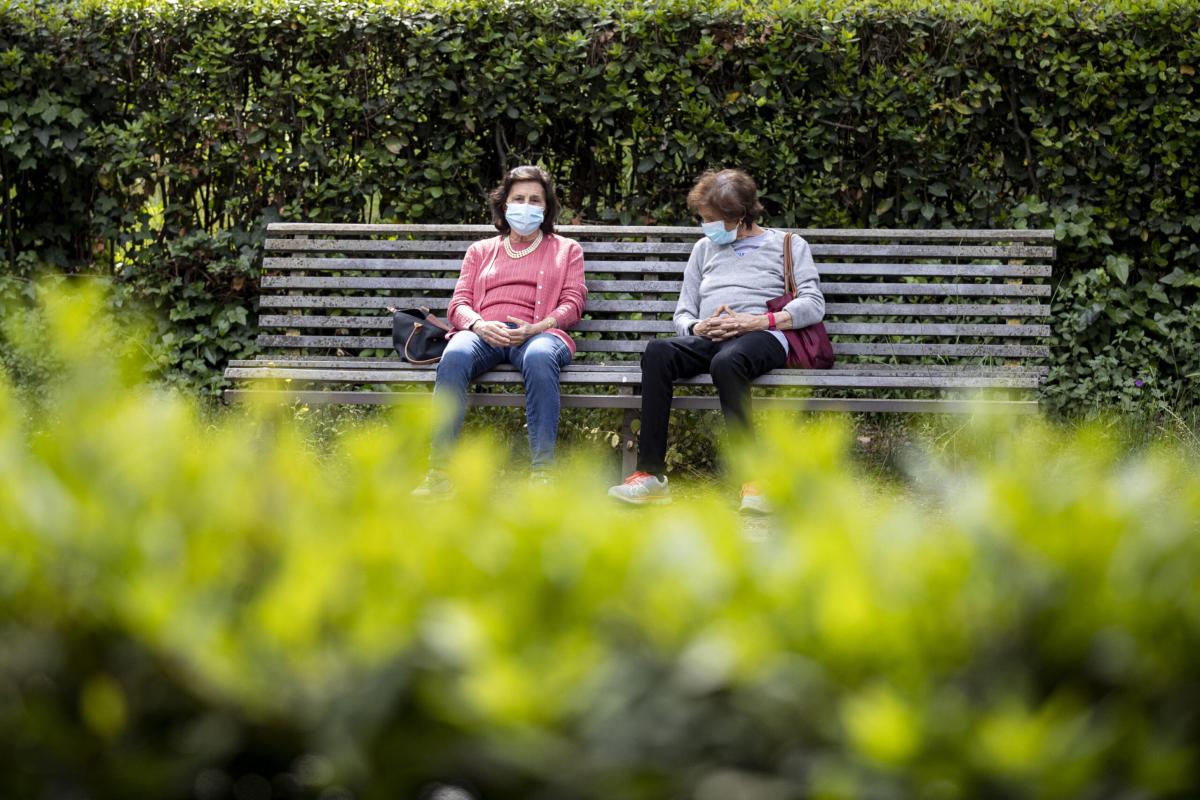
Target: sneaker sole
641, 501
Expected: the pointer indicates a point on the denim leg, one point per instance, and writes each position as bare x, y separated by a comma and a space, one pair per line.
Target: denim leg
465, 357
540, 360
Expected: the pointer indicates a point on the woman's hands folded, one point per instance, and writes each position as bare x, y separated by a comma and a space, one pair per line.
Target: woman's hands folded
725, 323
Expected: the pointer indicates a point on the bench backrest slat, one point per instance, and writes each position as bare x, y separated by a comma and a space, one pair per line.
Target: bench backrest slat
662, 248
663, 231
451, 265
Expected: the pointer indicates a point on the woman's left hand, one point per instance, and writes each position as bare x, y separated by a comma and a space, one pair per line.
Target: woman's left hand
726, 323
523, 332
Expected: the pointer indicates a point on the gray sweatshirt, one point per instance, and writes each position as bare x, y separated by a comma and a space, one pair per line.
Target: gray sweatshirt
715, 276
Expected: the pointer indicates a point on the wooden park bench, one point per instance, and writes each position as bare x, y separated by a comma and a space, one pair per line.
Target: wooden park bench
921, 320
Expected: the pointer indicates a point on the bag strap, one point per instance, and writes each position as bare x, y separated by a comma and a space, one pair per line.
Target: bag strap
789, 272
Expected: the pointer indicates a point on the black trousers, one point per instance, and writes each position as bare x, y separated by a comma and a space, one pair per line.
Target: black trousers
733, 364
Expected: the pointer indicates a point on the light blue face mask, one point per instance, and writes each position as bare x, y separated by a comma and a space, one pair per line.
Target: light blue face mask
524, 218
718, 233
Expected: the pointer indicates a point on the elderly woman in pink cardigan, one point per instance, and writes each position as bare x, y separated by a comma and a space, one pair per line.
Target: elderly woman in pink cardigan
516, 296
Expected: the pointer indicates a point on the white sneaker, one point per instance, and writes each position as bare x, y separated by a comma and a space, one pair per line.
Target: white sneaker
642, 489
753, 502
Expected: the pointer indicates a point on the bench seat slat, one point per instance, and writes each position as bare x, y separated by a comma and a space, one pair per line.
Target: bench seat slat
818, 378
368, 364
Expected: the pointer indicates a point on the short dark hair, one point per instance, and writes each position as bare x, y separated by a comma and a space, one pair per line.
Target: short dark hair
498, 199
729, 192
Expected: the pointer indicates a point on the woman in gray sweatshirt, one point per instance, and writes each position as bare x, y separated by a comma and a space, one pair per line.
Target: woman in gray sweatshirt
723, 324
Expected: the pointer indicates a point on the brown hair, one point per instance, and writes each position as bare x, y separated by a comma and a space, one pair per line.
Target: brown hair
498, 199
730, 193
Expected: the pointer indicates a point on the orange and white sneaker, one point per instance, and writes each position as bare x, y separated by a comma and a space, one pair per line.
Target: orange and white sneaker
752, 501
642, 489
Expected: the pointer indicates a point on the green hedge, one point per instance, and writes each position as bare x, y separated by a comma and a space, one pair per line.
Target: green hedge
154, 140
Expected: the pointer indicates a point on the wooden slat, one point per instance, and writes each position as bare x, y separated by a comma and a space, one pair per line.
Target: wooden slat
445, 284
935, 329
966, 234
332, 263
581, 345
933, 251
815, 378
364, 264
460, 246
899, 309
663, 326
1022, 251
367, 365
440, 303
305, 321
832, 310
646, 306
385, 322
937, 270
666, 287
600, 266
385, 343
940, 350
937, 289
305, 282
336, 301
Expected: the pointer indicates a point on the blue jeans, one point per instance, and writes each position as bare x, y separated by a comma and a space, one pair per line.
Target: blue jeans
540, 359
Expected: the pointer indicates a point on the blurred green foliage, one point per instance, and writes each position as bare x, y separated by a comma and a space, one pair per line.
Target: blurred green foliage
208, 607
152, 141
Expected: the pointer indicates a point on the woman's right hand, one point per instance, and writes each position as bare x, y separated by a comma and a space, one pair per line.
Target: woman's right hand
494, 333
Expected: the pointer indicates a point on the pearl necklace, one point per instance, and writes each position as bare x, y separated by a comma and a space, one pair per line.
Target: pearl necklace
508, 248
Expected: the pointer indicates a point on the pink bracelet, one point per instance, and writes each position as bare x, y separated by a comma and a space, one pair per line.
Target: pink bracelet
771, 320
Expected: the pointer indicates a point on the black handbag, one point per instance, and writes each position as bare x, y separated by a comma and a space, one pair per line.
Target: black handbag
418, 336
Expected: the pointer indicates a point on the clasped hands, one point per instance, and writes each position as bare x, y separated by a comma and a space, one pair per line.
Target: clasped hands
725, 323
498, 334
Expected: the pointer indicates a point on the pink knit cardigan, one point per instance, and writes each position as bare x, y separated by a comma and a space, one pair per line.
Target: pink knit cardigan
561, 291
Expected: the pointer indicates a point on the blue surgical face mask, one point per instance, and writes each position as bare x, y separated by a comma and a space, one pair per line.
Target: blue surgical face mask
524, 218
718, 233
